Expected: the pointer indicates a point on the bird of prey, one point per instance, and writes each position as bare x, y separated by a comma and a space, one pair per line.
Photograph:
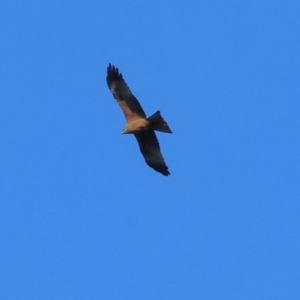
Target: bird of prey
137, 122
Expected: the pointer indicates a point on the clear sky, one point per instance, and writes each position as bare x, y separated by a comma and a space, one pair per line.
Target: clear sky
81, 214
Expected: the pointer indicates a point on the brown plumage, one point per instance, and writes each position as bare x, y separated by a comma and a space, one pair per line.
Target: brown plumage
137, 122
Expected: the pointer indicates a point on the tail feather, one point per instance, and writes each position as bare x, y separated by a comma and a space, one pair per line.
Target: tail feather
157, 122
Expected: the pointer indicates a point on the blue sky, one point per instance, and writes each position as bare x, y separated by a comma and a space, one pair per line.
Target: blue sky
81, 214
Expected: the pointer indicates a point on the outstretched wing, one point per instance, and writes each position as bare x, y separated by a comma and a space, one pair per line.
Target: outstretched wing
149, 147
121, 92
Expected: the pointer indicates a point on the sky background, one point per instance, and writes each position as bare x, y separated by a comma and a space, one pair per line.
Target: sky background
81, 214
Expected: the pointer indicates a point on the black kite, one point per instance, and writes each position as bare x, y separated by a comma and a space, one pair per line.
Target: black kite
137, 122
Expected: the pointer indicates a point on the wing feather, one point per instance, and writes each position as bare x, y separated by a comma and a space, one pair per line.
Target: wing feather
150, 149
121, 92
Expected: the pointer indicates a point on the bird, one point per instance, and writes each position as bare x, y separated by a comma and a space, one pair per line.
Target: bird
138, 124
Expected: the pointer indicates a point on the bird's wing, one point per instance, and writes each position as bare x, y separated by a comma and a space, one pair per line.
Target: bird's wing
121, 92
149, 147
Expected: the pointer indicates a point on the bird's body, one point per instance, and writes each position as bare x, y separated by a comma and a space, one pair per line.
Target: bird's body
137, 122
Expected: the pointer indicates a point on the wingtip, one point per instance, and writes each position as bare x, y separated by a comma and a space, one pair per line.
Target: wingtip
113, 71
111, 67
163, 171
113, 74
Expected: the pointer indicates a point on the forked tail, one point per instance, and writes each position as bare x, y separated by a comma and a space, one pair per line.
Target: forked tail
157, 122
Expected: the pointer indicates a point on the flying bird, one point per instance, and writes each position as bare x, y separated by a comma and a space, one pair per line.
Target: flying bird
137, 123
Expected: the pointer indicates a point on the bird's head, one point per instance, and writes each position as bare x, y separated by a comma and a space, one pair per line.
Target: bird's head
127, 129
